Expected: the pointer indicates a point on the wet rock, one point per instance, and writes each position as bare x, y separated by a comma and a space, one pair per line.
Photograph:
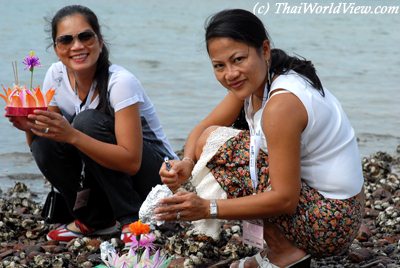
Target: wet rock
390, 249
177, 262
34, 248
372, 213
364, 233
6, 253
360, 255
49, 248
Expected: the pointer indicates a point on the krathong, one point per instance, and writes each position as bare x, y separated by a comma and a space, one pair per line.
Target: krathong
139, 254
21, 101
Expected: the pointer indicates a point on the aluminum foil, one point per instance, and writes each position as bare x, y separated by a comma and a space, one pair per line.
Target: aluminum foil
146, 212
106, 250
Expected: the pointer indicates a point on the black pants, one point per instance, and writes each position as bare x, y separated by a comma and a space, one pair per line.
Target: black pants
113, 195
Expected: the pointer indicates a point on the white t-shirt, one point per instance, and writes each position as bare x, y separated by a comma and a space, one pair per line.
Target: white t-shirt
330, 160
124, 90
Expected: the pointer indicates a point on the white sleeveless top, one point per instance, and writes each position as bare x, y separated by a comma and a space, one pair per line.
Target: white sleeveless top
330, 160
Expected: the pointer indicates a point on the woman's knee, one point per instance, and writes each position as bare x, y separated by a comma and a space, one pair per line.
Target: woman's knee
51, 156
86, 121
96, 124
201, 141
43, 149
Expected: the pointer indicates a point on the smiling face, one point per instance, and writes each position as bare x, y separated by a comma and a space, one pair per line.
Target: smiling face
80, 55
239, 67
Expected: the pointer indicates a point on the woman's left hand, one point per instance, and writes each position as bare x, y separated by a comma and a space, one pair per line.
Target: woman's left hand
185, 206
51, 125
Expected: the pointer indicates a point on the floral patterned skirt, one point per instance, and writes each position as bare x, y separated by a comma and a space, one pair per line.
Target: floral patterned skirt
230, 167
320, 226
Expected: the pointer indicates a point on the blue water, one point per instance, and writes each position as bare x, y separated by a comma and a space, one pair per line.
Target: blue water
357, 58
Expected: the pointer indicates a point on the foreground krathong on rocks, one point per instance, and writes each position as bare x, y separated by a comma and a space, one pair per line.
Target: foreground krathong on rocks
23, 232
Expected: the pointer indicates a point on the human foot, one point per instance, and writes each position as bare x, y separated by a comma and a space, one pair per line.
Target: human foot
76, 229
259, 260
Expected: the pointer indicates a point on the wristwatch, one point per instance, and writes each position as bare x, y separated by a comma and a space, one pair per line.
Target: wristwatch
213, 209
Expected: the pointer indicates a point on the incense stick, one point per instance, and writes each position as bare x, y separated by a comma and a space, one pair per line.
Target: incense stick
15, 71
15, 79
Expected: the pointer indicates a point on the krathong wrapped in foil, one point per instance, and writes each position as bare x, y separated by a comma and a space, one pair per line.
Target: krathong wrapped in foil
146, 212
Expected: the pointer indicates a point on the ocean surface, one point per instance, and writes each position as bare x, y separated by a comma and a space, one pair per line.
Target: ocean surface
162, 42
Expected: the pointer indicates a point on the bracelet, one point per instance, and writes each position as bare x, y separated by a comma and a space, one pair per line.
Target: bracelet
189, 159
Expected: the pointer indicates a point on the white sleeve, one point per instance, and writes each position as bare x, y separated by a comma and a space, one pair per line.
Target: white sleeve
125, 90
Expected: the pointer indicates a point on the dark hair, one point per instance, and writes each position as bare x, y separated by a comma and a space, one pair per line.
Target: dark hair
103, 62
244, 26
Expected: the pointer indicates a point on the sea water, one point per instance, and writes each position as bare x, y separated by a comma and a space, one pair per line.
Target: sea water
356, 55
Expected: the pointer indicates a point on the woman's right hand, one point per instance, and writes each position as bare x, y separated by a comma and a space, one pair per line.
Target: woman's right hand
179, 173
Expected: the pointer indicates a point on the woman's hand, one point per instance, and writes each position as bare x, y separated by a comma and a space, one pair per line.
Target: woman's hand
179, 173
51, 125
20, 122
187, 205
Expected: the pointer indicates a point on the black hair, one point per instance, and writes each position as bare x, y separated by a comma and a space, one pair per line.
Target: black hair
243, 26
103, 62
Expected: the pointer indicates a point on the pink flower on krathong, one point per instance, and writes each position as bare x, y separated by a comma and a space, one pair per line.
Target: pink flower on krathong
31, 61
145, 241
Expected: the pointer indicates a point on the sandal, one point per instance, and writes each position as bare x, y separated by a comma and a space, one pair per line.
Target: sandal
126, 236
64, 234
263, 262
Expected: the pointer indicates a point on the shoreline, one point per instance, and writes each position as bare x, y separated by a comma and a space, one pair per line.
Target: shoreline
23, 232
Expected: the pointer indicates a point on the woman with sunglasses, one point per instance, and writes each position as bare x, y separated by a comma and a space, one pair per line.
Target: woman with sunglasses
297, 170
100, 144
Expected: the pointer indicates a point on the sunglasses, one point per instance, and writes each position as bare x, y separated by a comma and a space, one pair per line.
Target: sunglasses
87, 38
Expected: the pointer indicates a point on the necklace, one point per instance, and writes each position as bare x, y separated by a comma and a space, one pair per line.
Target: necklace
83, 105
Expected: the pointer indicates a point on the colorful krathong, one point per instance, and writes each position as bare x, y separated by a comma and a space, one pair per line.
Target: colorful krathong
139, 254
21, 101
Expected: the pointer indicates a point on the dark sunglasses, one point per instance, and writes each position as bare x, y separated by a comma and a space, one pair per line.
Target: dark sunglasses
87, 38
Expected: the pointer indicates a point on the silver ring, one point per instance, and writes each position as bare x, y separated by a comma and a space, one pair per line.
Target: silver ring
178, 216
46, 130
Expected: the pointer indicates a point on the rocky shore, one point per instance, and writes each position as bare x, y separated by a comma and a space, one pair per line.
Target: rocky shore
23, 232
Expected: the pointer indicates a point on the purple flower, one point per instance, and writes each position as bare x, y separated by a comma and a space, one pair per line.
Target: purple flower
31, 61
